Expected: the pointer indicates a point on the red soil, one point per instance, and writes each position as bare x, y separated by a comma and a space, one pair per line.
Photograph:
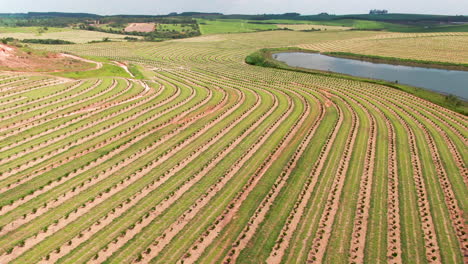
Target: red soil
15, 59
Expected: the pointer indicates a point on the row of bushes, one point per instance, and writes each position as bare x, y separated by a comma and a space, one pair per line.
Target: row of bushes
47, 41
36, 41
264, 57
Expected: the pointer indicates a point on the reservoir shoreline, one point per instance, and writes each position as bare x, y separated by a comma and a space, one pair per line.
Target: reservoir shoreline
444, 81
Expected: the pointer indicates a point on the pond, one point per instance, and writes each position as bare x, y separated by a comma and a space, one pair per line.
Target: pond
439, 80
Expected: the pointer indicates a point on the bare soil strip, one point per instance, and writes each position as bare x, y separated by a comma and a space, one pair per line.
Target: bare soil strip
88, 183
430, 237
67, 134
33, 120
176, 227
393, 210
323, 233
67, 89
429, 117
29, 243
455, 213
93, 164
432, 250
13, 100
104, 107
261, 212
98, 64
32, 86
143, 193
229, 213
160, 208
28, 164
32, 109
28, 150
393, 201
282, 243
124, 66
358, 240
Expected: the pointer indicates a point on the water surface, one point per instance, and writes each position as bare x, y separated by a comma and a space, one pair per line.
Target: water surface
439, 80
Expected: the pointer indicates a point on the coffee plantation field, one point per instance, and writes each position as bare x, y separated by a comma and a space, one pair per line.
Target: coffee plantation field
206, 159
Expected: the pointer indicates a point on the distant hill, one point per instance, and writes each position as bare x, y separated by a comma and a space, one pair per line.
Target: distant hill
290, 16
374, 21
49, 15
61, 14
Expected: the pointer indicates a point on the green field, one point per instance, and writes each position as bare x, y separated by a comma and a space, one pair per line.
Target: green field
196, 156
176, 27
359, 24
230, 26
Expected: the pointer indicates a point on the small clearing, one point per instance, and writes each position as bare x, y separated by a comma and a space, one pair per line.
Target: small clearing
140, 27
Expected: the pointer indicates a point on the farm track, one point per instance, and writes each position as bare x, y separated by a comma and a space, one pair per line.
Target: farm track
211, 160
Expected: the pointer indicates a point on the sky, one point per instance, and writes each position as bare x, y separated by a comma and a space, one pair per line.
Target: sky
158, 7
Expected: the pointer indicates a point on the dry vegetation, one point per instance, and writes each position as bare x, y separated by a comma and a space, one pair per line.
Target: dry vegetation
212, 160
140, 27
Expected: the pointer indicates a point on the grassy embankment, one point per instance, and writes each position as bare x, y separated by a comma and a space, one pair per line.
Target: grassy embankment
219, 26
108, 70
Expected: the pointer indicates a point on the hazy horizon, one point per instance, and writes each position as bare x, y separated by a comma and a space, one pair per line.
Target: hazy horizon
158, 7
